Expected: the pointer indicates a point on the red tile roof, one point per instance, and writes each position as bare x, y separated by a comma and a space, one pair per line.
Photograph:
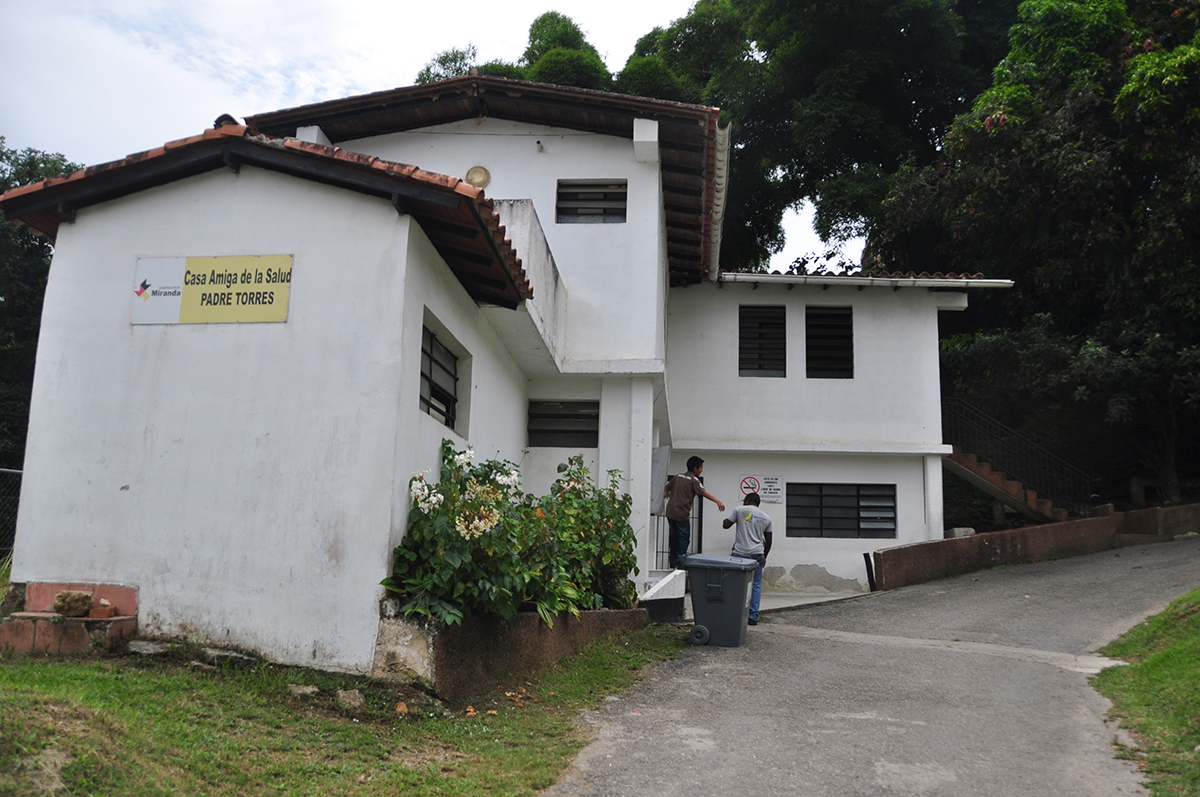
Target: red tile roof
459, 218
687, 138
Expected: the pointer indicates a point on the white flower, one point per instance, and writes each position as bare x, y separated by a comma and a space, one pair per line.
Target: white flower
426, 497
510, 479
464, 457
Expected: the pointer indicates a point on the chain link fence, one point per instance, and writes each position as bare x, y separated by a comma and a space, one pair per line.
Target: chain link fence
10, 498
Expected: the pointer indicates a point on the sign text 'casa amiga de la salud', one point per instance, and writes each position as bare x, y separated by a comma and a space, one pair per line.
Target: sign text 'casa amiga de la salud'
234, 289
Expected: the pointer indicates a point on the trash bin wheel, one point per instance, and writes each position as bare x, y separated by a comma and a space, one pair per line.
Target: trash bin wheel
699, 635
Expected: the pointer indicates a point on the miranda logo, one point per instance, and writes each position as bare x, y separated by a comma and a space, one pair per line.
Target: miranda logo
143, 290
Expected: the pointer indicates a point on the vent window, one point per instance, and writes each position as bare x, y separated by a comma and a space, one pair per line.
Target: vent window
591, 202
829, 343
841, 510
564, 424
439, 379
762, 341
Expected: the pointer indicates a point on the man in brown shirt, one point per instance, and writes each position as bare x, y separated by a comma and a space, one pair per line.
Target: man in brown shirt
680, 491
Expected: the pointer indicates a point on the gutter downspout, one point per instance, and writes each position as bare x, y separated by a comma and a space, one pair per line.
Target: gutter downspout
720, 185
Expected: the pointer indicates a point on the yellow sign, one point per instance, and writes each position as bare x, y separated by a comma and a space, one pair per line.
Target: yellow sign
227, 290
240, 289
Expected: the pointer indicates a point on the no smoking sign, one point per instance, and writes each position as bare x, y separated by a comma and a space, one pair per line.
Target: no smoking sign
769, 488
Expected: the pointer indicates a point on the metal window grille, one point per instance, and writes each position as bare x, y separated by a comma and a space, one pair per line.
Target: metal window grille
841, 510
564, 424
591, 201
829, 342
762, 341
439, 379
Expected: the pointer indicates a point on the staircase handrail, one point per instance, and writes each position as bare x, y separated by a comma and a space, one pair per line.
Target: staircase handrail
1016, 455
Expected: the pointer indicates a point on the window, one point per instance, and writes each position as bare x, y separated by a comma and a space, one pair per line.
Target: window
762, 341
841, 510
439, 379
591, 201
564, 424
829, 343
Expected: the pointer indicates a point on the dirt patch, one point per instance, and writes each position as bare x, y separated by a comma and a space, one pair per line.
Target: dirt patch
43, 722
416, 757
44, 770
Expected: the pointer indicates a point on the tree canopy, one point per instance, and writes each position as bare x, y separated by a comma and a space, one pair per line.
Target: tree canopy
1076, 175
828, 100
24, 265
558, 52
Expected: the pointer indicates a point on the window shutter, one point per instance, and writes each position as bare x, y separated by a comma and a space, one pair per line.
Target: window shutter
564, 424
829, 343
762, 341
439, 379
860, 511
591, 201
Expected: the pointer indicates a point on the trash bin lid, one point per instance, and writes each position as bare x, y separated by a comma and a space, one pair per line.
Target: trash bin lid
723, 562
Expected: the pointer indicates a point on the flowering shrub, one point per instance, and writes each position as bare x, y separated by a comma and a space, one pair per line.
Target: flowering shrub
477, 544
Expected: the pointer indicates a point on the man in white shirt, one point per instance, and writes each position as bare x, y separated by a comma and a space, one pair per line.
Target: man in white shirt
752, 540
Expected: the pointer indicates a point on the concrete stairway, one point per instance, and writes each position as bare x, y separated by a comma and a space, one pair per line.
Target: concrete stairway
996, 484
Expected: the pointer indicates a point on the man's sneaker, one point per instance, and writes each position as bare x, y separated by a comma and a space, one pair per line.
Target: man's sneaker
753, 622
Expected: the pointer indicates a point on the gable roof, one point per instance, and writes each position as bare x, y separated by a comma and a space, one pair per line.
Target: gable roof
693, 161
458, 218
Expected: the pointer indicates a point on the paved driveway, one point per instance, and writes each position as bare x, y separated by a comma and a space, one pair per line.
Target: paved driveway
971, 686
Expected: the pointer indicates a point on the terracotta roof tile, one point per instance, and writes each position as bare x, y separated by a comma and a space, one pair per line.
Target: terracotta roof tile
686, 138
43, 206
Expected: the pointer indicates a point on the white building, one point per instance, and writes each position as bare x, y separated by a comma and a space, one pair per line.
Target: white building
247, 343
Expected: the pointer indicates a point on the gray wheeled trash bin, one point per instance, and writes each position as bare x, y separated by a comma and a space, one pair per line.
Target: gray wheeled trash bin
720, 586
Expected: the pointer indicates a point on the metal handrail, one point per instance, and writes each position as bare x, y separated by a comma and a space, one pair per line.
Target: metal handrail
1017, 456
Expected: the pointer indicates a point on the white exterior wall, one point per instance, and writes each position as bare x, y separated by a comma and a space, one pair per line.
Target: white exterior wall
249, 479
882, 426
841, 558
539, 466
492, 390
616, 273
892, 404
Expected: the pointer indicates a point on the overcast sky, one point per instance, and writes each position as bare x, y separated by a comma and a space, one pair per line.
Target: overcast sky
99, 80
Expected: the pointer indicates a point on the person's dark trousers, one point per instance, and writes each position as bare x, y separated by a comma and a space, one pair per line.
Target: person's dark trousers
680, 539
756, 587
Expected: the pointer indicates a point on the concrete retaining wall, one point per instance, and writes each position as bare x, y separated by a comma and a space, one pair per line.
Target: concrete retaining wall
472, 657
928, 561
1165, 522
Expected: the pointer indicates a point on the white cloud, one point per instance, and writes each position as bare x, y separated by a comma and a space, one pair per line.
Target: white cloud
99, 80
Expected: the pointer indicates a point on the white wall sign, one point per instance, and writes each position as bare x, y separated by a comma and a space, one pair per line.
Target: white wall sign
769, 488
212, 290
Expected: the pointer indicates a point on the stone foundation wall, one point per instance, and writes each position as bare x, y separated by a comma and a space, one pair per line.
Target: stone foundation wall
468, 659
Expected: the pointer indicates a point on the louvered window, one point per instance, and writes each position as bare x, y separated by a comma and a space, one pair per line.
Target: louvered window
564, 424
591, 201
841, 510
829, 343
439, 379
762, 341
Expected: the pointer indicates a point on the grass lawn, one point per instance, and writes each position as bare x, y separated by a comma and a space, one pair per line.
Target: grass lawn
1157, 696
140, 725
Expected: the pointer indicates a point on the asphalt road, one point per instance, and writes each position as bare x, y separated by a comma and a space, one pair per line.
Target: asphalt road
976, 685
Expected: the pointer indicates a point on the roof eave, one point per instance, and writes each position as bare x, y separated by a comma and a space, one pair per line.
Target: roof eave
459, 219
930, 281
